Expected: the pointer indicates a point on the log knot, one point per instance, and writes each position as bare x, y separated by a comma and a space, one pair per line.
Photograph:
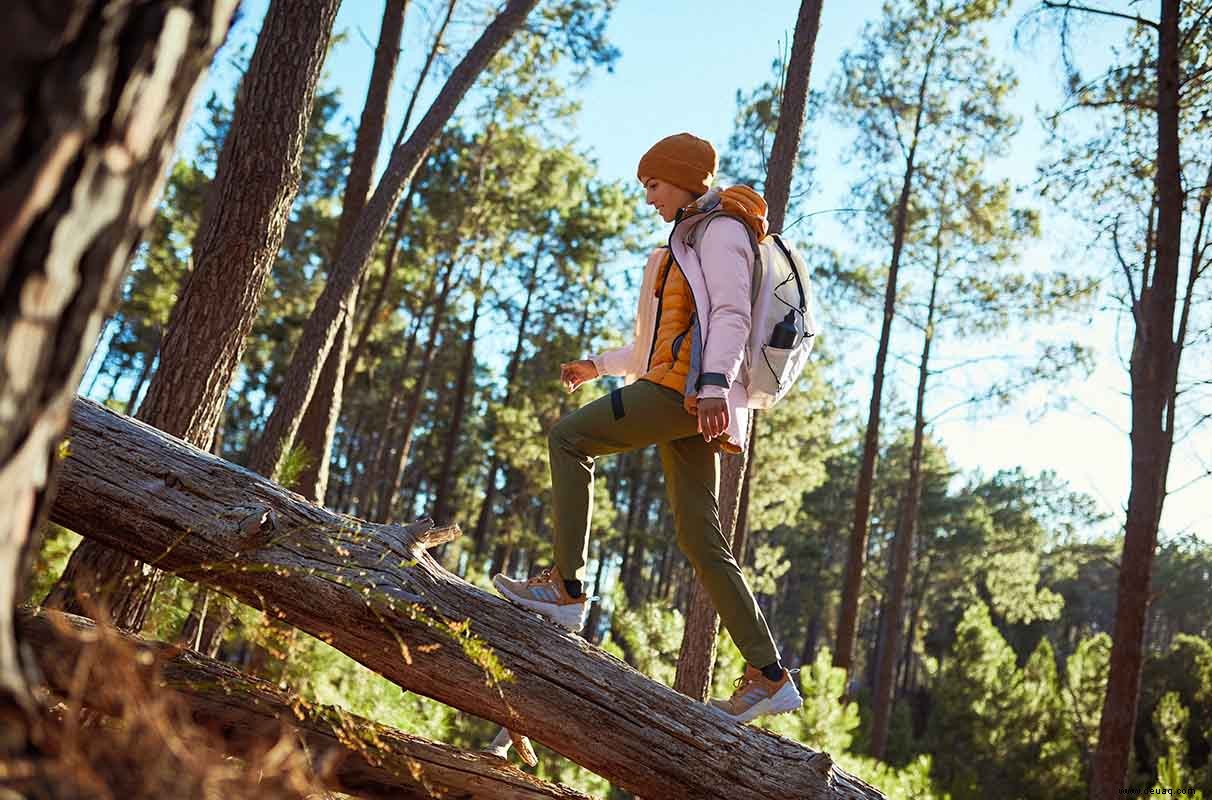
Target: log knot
255, 527
822, 763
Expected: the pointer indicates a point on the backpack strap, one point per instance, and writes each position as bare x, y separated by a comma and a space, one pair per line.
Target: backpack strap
795, 271
755, 284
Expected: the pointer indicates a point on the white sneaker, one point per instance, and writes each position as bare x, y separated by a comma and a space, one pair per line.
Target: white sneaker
546, 594
756, 696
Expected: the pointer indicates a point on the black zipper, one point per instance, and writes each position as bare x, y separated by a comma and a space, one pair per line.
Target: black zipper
656, 327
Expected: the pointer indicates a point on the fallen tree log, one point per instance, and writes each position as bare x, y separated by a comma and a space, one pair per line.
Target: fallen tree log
372, 591
352, 754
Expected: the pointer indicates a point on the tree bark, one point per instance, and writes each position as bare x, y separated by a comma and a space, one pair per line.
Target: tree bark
320, 421
696, 660
350, 754
321, 328
245, 215
786, 147
373, 592
405, 212
843, 651
902, 546
91, 102
1153, 373
238, 237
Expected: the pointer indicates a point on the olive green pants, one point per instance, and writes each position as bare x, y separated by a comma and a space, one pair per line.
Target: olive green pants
628, 419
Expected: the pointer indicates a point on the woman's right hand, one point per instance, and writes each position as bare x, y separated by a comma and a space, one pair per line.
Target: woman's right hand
574, 373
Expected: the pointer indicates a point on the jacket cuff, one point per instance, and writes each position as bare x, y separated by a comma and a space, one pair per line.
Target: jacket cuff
598, 363
713, 385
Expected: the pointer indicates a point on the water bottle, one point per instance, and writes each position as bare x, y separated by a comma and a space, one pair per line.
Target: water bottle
784, 333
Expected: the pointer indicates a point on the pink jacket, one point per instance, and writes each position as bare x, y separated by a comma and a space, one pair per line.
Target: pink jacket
720, 283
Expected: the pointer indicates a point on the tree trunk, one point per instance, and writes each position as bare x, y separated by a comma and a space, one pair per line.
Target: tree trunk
209, 618
485, 518
238, 237
740, 535
350, 754
405, 212
1153, 373
320, 421
387, 500
149, 359
594, 621
781, 166
247, 207
373, 592
321, 327
92, 102
843, 651
380, 295
450, 447
697, 657
902, 546
378, 483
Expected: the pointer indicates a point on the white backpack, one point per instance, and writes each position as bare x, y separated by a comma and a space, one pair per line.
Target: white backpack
781, 298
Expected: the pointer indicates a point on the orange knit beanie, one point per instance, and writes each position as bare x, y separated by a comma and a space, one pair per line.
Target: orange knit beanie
686, 161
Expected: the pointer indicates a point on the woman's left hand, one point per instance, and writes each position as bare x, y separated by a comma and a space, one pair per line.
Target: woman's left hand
713, 417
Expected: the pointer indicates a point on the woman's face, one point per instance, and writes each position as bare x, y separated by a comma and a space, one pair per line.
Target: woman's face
665, 197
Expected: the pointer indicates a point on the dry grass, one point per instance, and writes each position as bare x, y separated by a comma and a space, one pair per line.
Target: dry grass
109, 731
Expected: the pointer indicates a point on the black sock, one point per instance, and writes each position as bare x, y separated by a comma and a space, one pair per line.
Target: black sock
573, 588
773, 672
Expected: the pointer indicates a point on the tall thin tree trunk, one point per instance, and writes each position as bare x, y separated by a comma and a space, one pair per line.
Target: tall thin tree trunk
1153, 373
387, 500
320, 420
740, 536
208, 620
451, 445
484, 519
93, 100
242, 225
905, 670
149, 359
697, 656
405, 211
378, 481
376, 301
321, 327
902, 546
593, 623
785, 149
843, 651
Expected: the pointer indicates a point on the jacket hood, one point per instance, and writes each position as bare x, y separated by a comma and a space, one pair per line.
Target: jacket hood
739, 201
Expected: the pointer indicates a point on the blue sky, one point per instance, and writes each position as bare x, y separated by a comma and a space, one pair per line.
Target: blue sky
682, 63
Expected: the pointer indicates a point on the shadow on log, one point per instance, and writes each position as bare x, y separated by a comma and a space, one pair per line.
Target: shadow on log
372, 592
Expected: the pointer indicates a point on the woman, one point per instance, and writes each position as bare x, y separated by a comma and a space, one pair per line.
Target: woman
682, 394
